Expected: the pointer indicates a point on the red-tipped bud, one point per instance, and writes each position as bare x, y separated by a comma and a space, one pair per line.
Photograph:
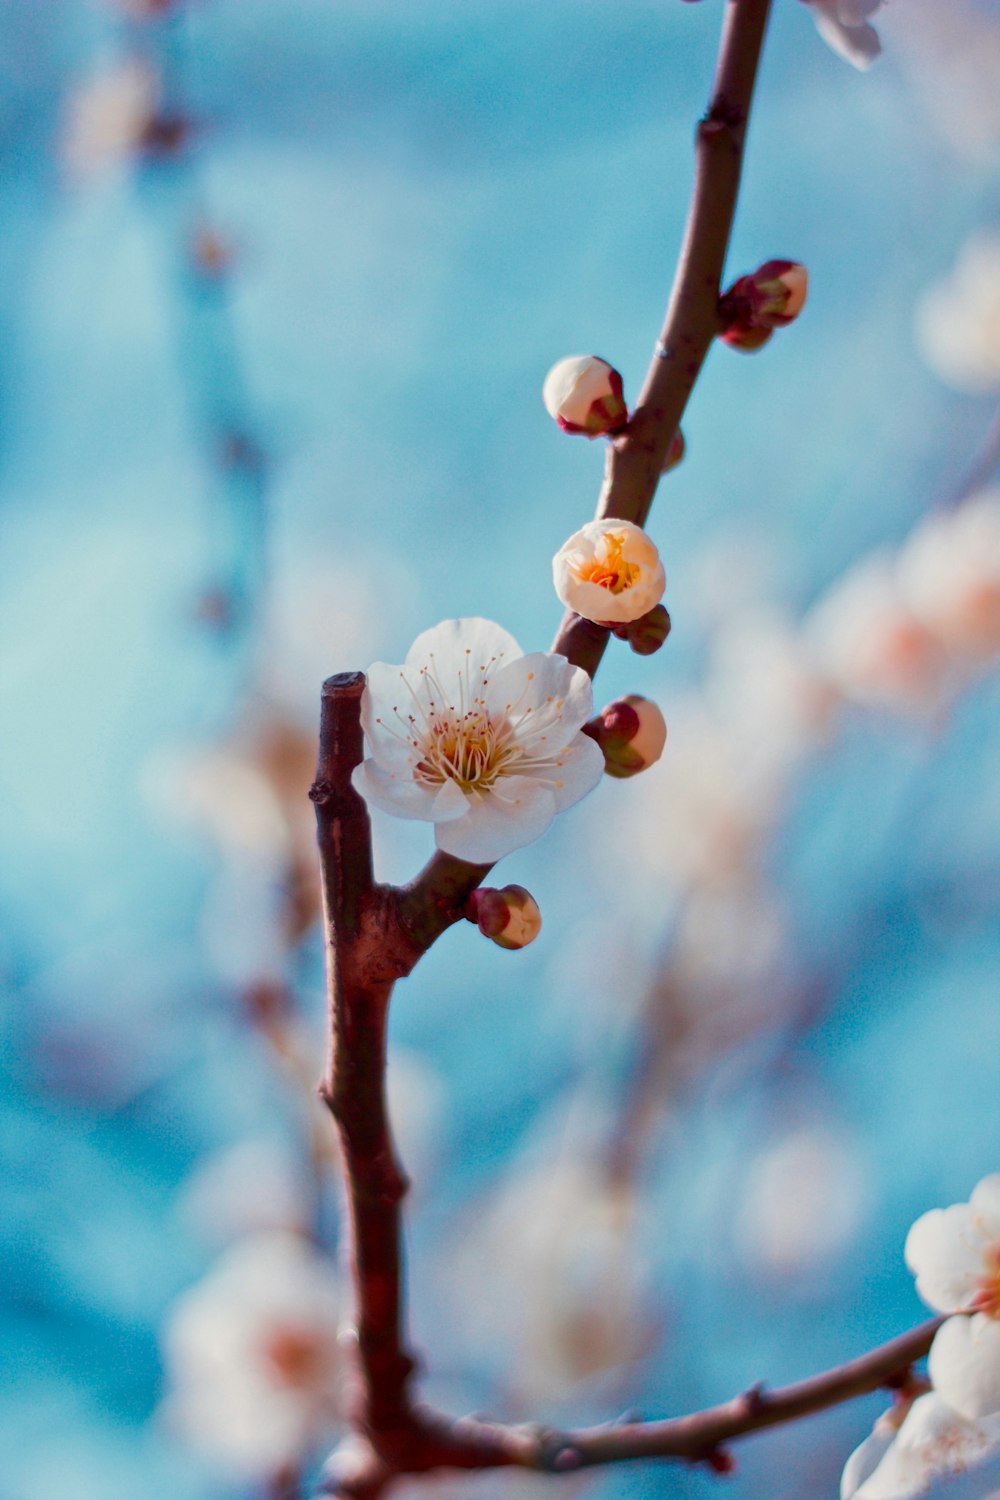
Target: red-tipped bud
646, 634
631, 732
510, 918
778, 289
584, 394
772, 297
675, 452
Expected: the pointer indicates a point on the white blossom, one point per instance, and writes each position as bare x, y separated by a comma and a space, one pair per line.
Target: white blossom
949, 575
844, 26
955, 1254
910, 1448
609, 571
252, 1356
477, 738
958, 319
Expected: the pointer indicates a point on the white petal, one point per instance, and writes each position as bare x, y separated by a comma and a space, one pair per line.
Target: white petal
932, 1441
543, 675
865, 1460
451, 802
944, 1249
964, 1364
859, 45
454, 642
986, 1201
396, 794
582, 768
517, 811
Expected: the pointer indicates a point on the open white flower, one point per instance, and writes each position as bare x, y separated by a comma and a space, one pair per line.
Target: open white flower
843, 25
477, 738
252, 1357
910, 1448
609, 571
955, 1254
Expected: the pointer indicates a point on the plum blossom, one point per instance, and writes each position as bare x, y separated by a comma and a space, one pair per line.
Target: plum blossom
958, 319
955, 1255
252, 1356
871, 645
914, 1444
844, 26
609, 571
949, 575
109, 118
477, 738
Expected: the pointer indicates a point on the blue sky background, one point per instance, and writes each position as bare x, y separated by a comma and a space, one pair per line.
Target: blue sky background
427, 205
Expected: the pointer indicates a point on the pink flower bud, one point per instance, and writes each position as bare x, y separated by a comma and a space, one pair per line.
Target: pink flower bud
778, 290
648, 633
675, 452
631, 732
584, 394
510, 918
772, 297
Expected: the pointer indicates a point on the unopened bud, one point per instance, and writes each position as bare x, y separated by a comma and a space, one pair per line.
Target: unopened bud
646, 634
510, 918
772, 297
584, 394
675, 452
779, 291
631, 732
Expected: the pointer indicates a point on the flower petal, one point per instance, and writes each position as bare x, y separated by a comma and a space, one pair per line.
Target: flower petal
581, 768
964, 1364
453, 643
450, 803
944, 1249
514, 813
865, 1459
538, 678
986, 1201
394, 793
858, 45
932, 1441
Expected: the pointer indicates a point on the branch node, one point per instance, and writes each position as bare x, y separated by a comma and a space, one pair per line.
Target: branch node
754, 1401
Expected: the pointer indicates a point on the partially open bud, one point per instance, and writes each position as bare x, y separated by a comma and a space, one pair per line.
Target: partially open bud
510, 918
631, 732
674, 453
646, 634
609, 572
584, 394
778, 290
772, 297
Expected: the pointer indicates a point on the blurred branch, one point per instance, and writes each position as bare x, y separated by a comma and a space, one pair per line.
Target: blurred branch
469, 1443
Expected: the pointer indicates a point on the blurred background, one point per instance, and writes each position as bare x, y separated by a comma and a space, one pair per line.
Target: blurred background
281, 280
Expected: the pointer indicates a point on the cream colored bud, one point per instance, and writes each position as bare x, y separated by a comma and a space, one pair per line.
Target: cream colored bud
509, 917
609, 571
583, 393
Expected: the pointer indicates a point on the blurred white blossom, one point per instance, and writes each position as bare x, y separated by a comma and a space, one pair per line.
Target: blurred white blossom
802, 1201
109, 116
955, 1255
949, 575
958, 318
252, 1357
871, 645
246, 1188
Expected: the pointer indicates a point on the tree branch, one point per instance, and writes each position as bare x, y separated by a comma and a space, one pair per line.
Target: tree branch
434, 900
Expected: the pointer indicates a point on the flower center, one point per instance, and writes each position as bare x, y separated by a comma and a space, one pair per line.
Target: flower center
298, 1357
472, 749
608, 568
